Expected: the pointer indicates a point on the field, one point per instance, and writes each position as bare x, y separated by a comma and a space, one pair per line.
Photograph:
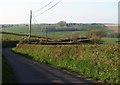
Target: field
36, 29
18, 38
11, 37
54, 31
99, 62
110, 40
96, 61
113, 27
53, 35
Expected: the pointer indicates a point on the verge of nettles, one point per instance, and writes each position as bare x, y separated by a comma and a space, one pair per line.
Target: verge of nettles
99, 62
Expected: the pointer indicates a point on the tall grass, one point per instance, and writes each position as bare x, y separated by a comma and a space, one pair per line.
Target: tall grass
97, 61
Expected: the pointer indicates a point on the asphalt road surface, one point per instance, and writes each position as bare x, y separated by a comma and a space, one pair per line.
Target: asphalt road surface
28, 71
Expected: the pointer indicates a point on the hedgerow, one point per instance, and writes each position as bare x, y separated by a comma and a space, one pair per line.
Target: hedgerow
92, 61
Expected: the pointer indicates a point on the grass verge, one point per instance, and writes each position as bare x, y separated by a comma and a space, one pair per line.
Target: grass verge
99, 62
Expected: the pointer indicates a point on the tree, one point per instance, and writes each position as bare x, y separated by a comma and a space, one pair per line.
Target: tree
62, 23
95, 35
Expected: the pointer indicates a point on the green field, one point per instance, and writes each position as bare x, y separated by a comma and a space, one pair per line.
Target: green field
55, 36
17, 29
11, 37
110, 40
38, 30
92, 61
99, 62
64, 35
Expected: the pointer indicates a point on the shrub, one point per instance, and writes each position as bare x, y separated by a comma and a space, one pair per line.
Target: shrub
75, 36
95, 35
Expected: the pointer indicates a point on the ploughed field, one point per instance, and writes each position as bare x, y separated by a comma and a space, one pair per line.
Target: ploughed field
113, 27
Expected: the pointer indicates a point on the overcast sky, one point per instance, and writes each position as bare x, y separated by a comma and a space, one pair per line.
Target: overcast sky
80, 11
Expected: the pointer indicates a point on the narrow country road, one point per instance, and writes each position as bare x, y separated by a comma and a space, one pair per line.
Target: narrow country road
28, 71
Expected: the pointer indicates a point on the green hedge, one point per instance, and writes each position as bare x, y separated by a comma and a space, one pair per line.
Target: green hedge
9, 44
95, 61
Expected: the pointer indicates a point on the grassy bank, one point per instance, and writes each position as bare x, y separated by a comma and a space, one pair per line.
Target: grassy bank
7, 72
95, 61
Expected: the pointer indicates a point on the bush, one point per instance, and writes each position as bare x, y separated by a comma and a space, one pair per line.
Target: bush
9, 43
75, 36
95, 35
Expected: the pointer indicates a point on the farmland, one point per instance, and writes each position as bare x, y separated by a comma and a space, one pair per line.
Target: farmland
58, 31
55, 31
110, 40
96, 61
37, 29
55, 36
92, 61
112, 27
11, 37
